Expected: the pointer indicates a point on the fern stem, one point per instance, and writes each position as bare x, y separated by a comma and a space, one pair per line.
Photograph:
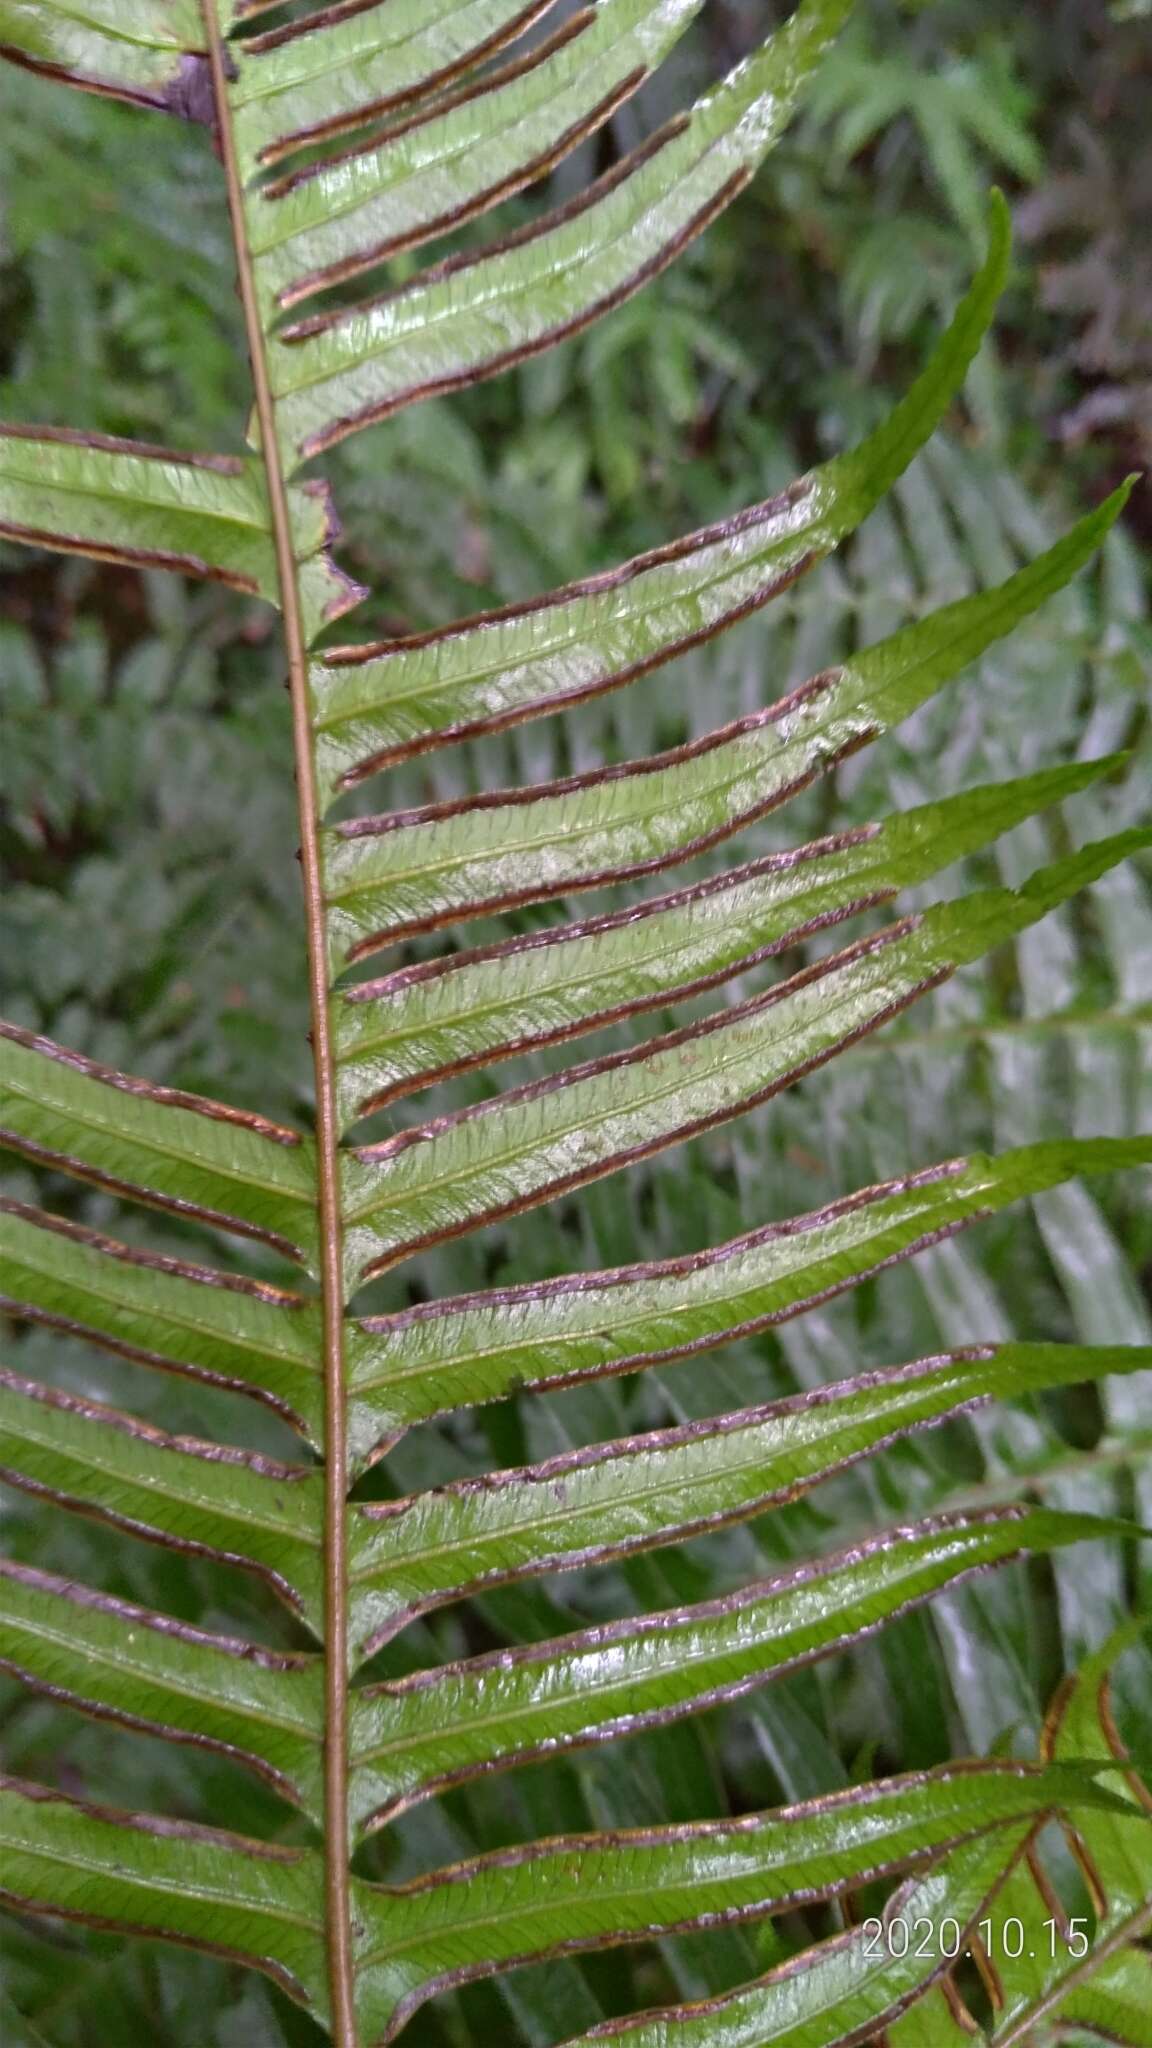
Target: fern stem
340, 1973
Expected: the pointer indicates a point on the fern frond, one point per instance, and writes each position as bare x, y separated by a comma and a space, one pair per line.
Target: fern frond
294, 1697
1065, 1978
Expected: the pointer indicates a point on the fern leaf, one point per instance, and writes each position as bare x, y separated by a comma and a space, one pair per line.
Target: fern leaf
197, 1497
376, 704
567, 1895
349, 1745
245, 1335
586, 1507
223, 1166
427, 1023
120, 1662
347, 64
425, 1361
200, 515
839, 1993
475, 316
413, 1736
136, 1874
410, 871
500, 1157
448, 162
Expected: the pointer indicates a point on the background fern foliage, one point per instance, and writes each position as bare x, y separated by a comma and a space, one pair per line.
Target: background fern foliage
460, 1656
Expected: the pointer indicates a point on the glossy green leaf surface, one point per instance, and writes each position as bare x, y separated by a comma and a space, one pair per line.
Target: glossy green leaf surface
105, 1656
474, 317
242, 1334
1067, 1976
442, 167
547, 1137
833, 1995
582, 1892
346, 136
199, 1158
321, 77
390, 876
200, 1497
203, 516
128, 49
471, 1009
429, 1360
376, 704
419, 1735
585, 1507
139, 1874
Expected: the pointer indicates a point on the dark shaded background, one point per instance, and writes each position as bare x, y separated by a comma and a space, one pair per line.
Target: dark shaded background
151, 916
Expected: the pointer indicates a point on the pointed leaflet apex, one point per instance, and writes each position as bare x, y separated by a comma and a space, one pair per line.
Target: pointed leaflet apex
431, 1183
472, 1008
376, 704
474, 1348
390, 876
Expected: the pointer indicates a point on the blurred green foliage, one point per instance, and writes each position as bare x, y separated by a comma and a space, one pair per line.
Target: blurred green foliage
150, 913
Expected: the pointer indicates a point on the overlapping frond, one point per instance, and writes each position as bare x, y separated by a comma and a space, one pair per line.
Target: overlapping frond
1083, 1975
559, 1897
837, 1993
462, 108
